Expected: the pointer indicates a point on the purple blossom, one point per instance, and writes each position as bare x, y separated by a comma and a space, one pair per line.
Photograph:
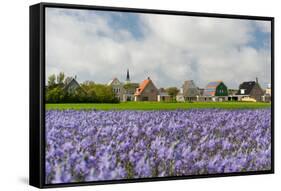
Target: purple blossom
105, 145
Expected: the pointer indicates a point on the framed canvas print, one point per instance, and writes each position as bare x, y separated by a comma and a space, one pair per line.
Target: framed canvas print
123, 95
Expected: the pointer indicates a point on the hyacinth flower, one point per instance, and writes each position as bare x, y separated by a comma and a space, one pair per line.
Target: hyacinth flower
112, 145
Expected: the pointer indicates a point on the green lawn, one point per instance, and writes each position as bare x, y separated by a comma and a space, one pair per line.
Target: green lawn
159, 105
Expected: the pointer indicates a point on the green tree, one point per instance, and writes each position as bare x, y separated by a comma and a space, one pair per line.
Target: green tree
52, 80
60, 78
98, 93
89, 88
105, 94
55, 95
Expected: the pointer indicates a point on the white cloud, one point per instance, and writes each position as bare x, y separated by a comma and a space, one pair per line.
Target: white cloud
172, 49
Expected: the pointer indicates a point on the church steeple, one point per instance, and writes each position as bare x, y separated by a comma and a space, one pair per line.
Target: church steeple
128, 77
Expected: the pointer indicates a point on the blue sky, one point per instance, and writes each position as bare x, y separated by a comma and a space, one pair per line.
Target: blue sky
99, 45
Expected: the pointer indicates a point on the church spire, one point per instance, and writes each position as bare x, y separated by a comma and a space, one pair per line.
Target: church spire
128, 76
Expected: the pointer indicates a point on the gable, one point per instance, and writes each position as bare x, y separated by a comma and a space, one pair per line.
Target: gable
246, 87
221, 90
71, 86
146, 86
217, 88
114, 82
150, 88
190, 89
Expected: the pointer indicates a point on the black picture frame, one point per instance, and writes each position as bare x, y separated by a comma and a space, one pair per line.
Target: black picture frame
37, 94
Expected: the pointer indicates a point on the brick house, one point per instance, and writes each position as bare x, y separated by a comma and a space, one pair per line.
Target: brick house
146, 91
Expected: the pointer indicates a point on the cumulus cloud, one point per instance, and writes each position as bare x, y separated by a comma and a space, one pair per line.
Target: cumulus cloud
169, 49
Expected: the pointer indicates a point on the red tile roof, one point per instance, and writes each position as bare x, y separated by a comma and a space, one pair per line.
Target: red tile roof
142, 86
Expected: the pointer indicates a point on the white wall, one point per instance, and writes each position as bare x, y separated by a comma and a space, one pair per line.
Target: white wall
14, 94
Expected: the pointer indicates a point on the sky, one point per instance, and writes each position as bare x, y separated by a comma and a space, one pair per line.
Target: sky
100, 45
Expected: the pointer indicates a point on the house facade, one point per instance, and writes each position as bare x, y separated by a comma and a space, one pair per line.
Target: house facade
117, 88
215, 91
250, 89
146, 91
190, 91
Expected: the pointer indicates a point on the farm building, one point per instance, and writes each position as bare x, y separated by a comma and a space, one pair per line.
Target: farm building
117, 88
146, 91
215, 91
71, 85
250, 89
190, 91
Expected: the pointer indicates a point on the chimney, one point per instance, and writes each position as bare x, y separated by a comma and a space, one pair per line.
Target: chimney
257, 81
148, 78
75, 77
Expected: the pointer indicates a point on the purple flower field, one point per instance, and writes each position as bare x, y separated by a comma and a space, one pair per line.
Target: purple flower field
108, 145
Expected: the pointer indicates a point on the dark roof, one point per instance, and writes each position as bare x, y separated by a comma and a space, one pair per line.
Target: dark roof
69, 81
247, 86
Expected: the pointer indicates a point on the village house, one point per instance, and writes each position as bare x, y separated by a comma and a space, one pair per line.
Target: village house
71, 85
215, 91
146, 91
190, 91
250, 89
117, 88
124, 91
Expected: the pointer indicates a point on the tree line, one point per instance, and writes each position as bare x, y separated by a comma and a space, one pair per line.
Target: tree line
87, 92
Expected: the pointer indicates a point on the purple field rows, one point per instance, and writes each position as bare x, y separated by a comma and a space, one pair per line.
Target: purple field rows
108, 145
